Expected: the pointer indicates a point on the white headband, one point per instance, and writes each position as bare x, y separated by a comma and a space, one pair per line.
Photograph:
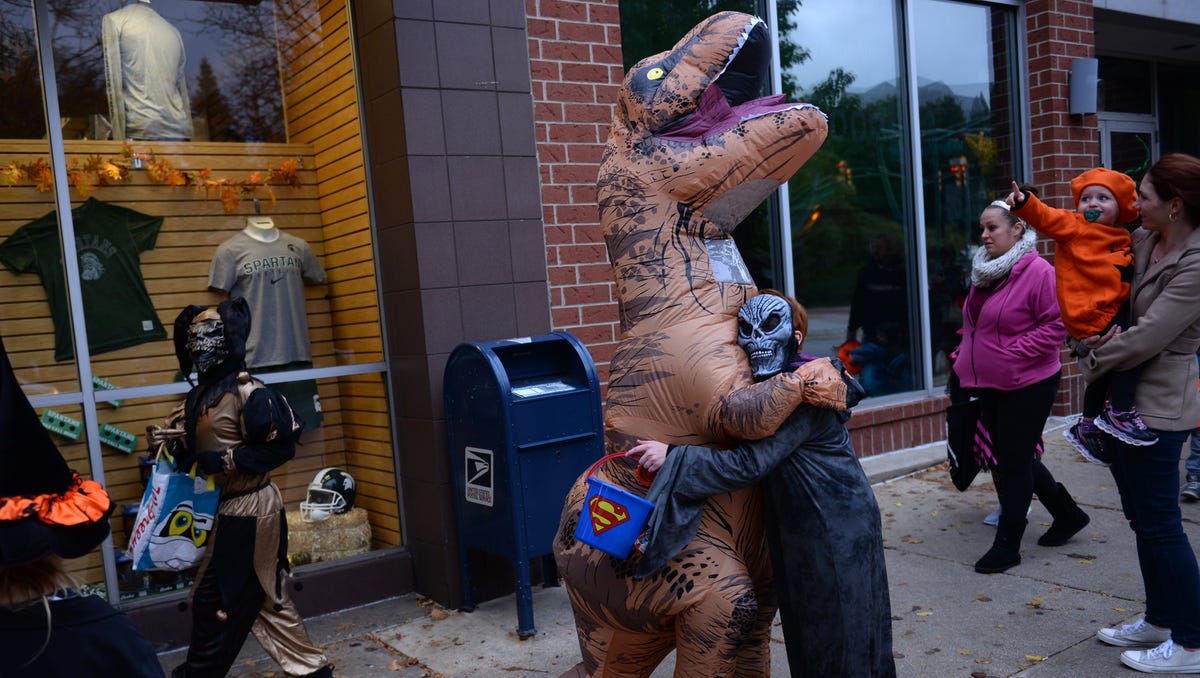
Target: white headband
1001, 204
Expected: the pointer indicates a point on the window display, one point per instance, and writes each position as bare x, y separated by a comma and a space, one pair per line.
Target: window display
108, 242
144, 61
254, 203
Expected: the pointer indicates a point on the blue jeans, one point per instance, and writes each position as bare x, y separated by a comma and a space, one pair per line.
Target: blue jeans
1148, 481
1193, 460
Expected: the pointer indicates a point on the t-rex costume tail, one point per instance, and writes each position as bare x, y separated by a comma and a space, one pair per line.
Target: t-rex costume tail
690, 154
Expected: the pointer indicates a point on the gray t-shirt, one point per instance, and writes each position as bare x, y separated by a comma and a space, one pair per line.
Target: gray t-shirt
270, 275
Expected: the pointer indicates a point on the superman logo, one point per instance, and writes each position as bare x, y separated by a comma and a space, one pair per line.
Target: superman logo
606, 514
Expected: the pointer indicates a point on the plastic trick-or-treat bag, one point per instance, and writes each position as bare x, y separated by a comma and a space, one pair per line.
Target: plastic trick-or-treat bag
175, 518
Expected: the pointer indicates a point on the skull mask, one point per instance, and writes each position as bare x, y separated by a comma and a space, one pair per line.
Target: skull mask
765, 333
206, 341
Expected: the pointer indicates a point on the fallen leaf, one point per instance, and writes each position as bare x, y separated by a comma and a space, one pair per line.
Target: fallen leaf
981, 598
1034, 657
983, 660
924, 613
965, 653
396, 665
1119, 609
916, 541
438, 613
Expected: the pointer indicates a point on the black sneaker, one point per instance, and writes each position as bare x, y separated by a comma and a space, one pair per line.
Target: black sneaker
1087, 440
1191, 489
1126, 426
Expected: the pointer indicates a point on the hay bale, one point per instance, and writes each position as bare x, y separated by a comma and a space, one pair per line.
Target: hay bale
338, 536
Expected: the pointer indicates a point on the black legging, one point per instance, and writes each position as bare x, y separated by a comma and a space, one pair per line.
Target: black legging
1015, 420
215, 644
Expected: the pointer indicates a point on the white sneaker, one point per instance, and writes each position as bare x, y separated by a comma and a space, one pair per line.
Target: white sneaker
993, 518
1137, 634
1166, 658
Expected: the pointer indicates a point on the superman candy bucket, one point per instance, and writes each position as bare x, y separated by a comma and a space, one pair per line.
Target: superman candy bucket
612, 519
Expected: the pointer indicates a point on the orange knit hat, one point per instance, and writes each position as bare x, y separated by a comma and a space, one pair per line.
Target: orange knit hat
1122, 187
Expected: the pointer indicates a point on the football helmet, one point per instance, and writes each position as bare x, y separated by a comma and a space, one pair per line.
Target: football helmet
331, 491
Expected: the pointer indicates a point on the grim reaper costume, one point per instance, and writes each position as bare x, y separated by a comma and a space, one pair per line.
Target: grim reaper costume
821, 517
237, 430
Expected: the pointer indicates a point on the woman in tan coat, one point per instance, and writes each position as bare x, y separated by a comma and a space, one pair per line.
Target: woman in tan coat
1166, 334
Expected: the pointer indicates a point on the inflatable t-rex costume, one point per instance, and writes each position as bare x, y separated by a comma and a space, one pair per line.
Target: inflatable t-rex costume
690, 154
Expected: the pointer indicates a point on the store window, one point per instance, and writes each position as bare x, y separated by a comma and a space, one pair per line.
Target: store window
210, 149
967, 80
849, 205
853, 207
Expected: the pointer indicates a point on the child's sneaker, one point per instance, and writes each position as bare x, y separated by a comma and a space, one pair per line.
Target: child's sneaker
1087, 440
1126, 426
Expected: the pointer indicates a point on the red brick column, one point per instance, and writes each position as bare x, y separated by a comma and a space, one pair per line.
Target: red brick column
1064, 145
575, 62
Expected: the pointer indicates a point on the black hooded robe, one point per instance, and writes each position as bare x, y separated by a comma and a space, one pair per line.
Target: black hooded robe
823, 529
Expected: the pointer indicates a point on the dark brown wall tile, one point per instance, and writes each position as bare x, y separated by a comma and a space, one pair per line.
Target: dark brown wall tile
416, 49
510, 47
516, 123
462, 11
397, 259
476, 187
522, 185
488, 312
378, 50
423, 121
369, 15
423, 454
510, 13
528, 244
472, 122
442, 322
435, 568
411, 385
405, 330
532, 308
433, 503
464, 56
394, 206
483, 252
409, 9
436, 265
386, 127
430, 188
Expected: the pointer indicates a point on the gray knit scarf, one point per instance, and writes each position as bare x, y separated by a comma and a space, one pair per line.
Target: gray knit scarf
986, 272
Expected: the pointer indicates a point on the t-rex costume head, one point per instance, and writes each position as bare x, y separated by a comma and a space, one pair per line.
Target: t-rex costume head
689, 155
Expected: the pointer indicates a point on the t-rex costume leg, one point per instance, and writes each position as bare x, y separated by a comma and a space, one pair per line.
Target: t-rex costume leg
690, 154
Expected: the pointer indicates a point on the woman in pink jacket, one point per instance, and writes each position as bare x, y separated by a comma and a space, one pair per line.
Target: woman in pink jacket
1012, 331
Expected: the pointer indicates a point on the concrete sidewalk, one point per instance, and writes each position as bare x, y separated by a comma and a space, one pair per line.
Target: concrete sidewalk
1037, 619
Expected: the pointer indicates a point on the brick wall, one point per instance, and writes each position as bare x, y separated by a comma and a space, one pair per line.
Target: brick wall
575, 63
1064, 145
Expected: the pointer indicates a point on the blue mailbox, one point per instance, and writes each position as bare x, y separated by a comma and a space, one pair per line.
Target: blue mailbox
523, 421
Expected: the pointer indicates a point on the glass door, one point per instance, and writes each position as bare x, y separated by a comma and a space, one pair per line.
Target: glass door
1128, 146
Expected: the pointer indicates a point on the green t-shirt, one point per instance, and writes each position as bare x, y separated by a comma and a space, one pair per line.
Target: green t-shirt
108, 239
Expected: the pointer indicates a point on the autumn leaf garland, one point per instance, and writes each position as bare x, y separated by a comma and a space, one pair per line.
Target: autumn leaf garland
84, 176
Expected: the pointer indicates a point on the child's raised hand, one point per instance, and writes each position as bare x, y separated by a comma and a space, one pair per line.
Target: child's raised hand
650, 453
1016, 196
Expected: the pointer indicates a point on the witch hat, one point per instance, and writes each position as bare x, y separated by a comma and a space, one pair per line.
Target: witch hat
45, 507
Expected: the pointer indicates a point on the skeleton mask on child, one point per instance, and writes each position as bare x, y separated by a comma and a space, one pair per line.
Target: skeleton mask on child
765, 333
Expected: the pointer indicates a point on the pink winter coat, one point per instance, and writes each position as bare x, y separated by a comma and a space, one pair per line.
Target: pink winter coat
1015, 340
